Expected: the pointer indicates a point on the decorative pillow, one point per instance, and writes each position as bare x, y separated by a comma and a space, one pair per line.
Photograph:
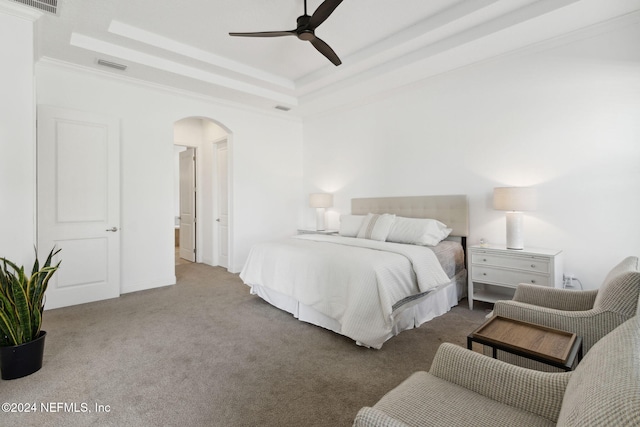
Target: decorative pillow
418, 231
350, 225
376, 227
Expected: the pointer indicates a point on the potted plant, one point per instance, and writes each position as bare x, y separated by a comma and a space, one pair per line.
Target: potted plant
21, 306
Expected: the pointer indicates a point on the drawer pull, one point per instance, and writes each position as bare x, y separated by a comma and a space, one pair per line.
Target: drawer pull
533, 266
484, 260
533, 281
484, 274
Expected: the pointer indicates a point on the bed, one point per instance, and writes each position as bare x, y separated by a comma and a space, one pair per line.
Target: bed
366, 288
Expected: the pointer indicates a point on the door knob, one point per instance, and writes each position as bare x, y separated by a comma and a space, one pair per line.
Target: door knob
114, 229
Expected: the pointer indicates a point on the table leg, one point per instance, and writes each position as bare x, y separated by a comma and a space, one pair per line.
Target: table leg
579, 354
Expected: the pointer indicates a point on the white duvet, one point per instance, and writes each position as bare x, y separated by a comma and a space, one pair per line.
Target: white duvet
354, 281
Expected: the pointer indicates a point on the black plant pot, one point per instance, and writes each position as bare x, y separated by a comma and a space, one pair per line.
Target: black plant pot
18, 361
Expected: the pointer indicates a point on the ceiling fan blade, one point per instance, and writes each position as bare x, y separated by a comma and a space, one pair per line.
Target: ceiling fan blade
265, 34
324, 49
322, 13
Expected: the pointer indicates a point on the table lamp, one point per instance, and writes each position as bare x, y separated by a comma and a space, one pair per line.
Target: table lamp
320, 201
514, 200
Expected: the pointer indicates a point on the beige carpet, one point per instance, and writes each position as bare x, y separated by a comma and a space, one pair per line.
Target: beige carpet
206, 353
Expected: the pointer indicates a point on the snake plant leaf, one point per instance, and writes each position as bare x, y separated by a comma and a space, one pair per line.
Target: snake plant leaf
52, 253
7, 315
37, 292
36, 297
14, 267
42, 277
36, 264
6, 306
36, 322
6, 299
22, 307
7, 329
5, 276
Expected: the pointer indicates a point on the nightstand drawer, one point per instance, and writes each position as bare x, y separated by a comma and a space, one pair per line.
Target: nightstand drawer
540, 265
508, 277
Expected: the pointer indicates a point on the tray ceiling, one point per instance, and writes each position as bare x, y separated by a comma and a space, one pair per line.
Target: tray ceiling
383, 44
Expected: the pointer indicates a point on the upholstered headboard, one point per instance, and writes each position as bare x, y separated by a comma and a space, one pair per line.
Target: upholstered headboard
451, 210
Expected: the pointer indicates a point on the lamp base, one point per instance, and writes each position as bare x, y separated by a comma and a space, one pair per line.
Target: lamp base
320, 219
514, 231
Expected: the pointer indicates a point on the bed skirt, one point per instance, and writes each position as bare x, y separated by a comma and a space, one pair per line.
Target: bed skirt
409, 315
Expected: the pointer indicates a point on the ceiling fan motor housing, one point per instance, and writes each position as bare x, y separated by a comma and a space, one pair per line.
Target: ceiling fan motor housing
303, 31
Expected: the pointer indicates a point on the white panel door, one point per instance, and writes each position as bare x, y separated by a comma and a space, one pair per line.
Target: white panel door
188, 204
222, 191
78, 191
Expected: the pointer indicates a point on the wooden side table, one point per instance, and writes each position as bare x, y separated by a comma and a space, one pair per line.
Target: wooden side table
547, 345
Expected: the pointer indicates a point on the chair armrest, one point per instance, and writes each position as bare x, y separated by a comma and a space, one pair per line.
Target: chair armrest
372, 417
561, 299
538, 392
591, 325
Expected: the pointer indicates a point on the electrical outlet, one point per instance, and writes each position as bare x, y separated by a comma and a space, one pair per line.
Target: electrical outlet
567, 279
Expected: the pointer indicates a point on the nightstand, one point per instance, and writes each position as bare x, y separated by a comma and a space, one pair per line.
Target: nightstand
307, 231
495, 271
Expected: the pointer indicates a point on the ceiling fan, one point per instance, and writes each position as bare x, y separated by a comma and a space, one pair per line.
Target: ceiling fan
306, 29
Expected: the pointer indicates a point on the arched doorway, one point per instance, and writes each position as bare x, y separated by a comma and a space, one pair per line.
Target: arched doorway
210, 142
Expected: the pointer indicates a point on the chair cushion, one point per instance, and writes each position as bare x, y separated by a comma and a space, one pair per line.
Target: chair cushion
426, 400
603, 389
372, 417
621, 288
627, 264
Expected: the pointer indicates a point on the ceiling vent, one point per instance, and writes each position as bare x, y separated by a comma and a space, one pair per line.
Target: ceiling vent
50, 6
112, 64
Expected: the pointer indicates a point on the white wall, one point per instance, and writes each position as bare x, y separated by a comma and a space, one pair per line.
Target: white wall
17, 142
563, 117
266, 166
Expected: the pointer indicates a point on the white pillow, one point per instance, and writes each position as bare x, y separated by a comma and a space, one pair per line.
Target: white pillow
418, 231
376, 227
350, 225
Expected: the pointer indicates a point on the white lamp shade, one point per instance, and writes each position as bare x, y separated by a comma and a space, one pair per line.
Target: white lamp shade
321, 200
514, 199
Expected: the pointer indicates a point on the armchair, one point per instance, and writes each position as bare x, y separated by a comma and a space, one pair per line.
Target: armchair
590, 314
465, 388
